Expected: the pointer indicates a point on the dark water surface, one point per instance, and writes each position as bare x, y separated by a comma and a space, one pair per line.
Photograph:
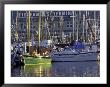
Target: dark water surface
59, 69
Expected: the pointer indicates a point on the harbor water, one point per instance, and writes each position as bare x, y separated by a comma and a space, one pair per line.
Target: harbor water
59, 69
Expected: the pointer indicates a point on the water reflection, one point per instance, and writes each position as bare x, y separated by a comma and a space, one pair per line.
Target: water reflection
59, 69
36, 70
75, 69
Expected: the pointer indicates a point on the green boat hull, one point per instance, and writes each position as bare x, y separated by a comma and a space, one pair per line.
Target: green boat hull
35, 61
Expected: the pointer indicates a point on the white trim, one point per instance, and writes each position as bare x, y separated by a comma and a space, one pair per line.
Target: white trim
65, 80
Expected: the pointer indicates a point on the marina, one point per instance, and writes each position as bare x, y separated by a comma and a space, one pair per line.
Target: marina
44, 40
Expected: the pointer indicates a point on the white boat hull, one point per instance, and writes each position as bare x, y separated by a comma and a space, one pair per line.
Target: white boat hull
73, 57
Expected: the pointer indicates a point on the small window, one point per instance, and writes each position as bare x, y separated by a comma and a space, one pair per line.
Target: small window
67, 25
71, 25
21, 25
58, 24
67, 22
71, 22
34, 27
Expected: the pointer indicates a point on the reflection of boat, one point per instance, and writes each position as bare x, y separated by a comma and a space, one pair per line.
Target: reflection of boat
75, 53
38, 70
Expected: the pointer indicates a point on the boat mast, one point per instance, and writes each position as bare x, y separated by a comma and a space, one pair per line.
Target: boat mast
28, 28
48, 29
77, 26
83, 26
32, 37
95, 24
16, 34
53, 29
86, 27
73, 24
39, 27
52, 26
42, 25
61, 24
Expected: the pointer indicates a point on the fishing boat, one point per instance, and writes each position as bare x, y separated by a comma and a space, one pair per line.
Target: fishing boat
30, 53
38, 58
